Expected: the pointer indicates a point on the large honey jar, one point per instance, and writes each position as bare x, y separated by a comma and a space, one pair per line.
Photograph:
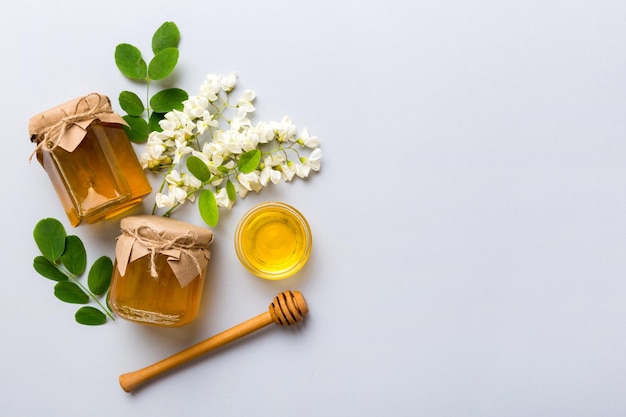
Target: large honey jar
84, 148
160, 269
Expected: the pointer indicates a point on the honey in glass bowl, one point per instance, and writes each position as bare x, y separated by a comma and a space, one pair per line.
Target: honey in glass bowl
273, 240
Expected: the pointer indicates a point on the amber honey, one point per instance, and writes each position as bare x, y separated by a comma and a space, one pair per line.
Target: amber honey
273, 240
139, 297
93, 168
160, 270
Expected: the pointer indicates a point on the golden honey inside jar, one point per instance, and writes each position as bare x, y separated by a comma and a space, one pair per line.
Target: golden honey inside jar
93, 168
160, 268
273, 240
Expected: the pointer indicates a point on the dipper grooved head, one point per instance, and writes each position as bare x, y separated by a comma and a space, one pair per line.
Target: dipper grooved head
288, 308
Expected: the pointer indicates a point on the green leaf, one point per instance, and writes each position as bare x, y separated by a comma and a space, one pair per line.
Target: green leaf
129, 61
198, 168
70, 293
131, 103
90, 316
166, 36
74, 257
168, 99
231, 191
249, 161
49, 235
137, 129
99, 277
207, 204
153, 121
47, 269
163, 63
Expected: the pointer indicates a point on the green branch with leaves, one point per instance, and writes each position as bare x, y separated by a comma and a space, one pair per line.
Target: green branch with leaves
143, 117
64, 259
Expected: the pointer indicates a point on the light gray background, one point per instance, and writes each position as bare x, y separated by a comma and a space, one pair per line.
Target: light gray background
469, 218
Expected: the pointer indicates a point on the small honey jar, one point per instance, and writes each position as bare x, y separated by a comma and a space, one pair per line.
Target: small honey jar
273, 240
84, 148
160, 268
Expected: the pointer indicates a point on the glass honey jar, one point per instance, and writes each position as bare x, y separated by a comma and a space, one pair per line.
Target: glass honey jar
160, 269
93, 168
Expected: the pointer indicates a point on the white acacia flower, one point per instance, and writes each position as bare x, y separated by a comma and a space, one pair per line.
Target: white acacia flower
240, 121
315, 159
210, 87
174, 178
221, 196
178, 193
302, 170
227, 82
241, 190
250, 181
310, 163
245, 101
154, 152
286, 130
247, 141
164, 200
230, 141
288, 170
269, 174
195, 107
307, 140
182, 149
274, 159
265, 132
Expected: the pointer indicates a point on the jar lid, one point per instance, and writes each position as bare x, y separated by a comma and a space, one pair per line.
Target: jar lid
65, 125
186, 246
164, 229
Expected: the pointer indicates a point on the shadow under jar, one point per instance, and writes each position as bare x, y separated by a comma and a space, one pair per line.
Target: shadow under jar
160, 270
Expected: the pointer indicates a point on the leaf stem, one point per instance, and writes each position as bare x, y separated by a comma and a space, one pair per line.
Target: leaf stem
148, 97
74, 278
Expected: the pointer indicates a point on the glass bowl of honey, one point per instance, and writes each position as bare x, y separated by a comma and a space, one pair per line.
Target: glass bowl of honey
273, 240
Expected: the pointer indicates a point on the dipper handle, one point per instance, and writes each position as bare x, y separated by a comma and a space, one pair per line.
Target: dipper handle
287, 308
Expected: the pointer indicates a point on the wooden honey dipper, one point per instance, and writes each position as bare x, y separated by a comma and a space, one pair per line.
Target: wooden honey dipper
287, 308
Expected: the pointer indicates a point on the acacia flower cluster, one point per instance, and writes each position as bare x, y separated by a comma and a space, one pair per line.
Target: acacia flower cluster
211, 147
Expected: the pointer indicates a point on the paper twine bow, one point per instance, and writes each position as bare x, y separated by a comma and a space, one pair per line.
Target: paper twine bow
65, 125
187, 252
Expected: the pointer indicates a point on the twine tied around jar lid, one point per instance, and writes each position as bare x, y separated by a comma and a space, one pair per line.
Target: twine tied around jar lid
186, 246
65, 125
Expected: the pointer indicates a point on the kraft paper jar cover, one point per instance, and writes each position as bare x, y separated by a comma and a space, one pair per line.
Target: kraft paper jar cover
185, 245
65, 125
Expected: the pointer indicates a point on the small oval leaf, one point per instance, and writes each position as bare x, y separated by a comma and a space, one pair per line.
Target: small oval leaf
153, 121
249, 161
207, 204
231, 191
163, 63
137, 129
129, 61
166, 36
168, 100
99, 278
198, 168
46, 269
74, 257
70, 293
49, 235
131, 103
90, 316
